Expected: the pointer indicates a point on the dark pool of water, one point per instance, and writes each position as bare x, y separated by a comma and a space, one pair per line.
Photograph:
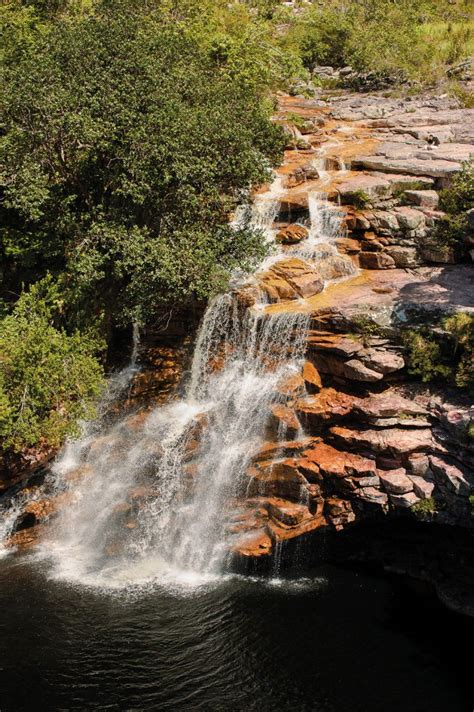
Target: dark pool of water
346, 642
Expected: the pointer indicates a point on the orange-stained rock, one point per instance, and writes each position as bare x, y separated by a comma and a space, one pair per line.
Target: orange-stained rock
253, 544
311, 376
291, 278
286, 512
392, 441
280, 479
276, 450
26, 538
291, 386
376, 260
309, 469
285, 418
292, 234
335, 463
347, 245
280, 532
325, 405
46, 507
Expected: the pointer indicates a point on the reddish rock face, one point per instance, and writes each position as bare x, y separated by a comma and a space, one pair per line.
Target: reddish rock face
393, 441
254, 544
311, 377
328, 404
292, 234
335, 463
285, 418
376, 260
291, 278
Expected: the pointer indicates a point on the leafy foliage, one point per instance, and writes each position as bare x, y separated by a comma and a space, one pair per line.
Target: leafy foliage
131, 170
48, 379
447, 353
397, 39
424, 506
456, 201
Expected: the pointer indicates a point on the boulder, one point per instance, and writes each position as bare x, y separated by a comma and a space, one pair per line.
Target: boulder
335, 267
348, 245
409, 218
423, 198
291, 278
404, 501
410, 166
421, 487
396, 481
376, 260
382, 360
292, 234
388, 404
403, 256
357, 371
451, 476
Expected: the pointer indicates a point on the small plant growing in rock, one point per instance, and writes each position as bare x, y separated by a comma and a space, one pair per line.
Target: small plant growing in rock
461, 328
366, 328
424, 506
360, 199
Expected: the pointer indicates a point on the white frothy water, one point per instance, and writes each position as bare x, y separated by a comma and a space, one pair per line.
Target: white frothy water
154, 497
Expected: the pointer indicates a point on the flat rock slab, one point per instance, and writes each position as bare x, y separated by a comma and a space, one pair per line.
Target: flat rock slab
387, 295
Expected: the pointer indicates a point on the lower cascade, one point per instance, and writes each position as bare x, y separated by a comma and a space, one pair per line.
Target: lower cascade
181, 467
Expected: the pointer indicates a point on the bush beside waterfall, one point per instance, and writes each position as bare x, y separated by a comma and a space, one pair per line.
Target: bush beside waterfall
48, 379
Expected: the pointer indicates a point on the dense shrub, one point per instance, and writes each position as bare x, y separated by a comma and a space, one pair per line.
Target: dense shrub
393, 39
48, 379
446, 353
454, 229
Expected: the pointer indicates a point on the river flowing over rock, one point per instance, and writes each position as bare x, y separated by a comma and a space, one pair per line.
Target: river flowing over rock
294, 415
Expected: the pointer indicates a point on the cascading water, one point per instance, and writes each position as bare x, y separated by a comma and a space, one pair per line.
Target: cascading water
151, 496
185, 463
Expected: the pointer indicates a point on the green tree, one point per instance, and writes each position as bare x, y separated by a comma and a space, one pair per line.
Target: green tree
48, 379
128, 141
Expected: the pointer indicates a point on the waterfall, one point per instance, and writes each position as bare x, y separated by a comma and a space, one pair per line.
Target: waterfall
152, 495
183, 464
